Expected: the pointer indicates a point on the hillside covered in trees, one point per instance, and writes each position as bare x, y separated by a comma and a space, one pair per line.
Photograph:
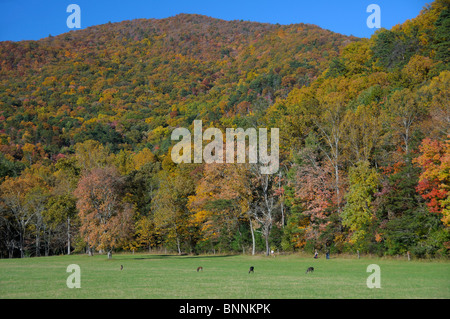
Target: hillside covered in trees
85, 138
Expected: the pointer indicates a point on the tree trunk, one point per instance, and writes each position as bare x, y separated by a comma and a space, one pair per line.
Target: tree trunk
267, 230
47, 244
68, 236
11, 251
21, 244
281, 199
178, 245
253, 237
38, 241
267, 245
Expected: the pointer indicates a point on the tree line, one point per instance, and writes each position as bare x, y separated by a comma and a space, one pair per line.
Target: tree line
364, 124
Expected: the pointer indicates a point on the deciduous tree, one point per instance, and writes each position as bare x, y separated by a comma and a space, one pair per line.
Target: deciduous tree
434, 181
106, 218
357, 213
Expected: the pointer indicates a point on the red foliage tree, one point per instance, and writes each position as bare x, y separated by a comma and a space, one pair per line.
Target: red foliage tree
435, 178
106, 219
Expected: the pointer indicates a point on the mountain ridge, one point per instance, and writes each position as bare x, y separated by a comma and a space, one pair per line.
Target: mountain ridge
172, 64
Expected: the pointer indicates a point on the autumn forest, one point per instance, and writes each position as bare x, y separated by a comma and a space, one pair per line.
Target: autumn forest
364, 146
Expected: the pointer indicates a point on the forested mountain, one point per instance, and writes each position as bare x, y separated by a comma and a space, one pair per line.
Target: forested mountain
118, 83
86, 119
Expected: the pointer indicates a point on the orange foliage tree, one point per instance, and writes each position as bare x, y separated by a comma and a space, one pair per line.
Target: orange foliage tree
106, 218
434, 182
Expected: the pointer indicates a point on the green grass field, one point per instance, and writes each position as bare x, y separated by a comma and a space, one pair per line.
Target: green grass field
224, 277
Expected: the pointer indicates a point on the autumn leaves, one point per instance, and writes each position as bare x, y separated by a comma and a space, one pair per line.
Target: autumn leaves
213, 152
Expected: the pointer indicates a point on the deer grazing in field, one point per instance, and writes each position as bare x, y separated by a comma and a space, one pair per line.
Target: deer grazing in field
310, 269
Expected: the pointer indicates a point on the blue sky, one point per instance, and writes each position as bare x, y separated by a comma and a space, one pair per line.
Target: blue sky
36, 19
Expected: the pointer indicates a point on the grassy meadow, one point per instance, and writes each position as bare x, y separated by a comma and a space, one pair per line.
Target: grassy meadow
224, 277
